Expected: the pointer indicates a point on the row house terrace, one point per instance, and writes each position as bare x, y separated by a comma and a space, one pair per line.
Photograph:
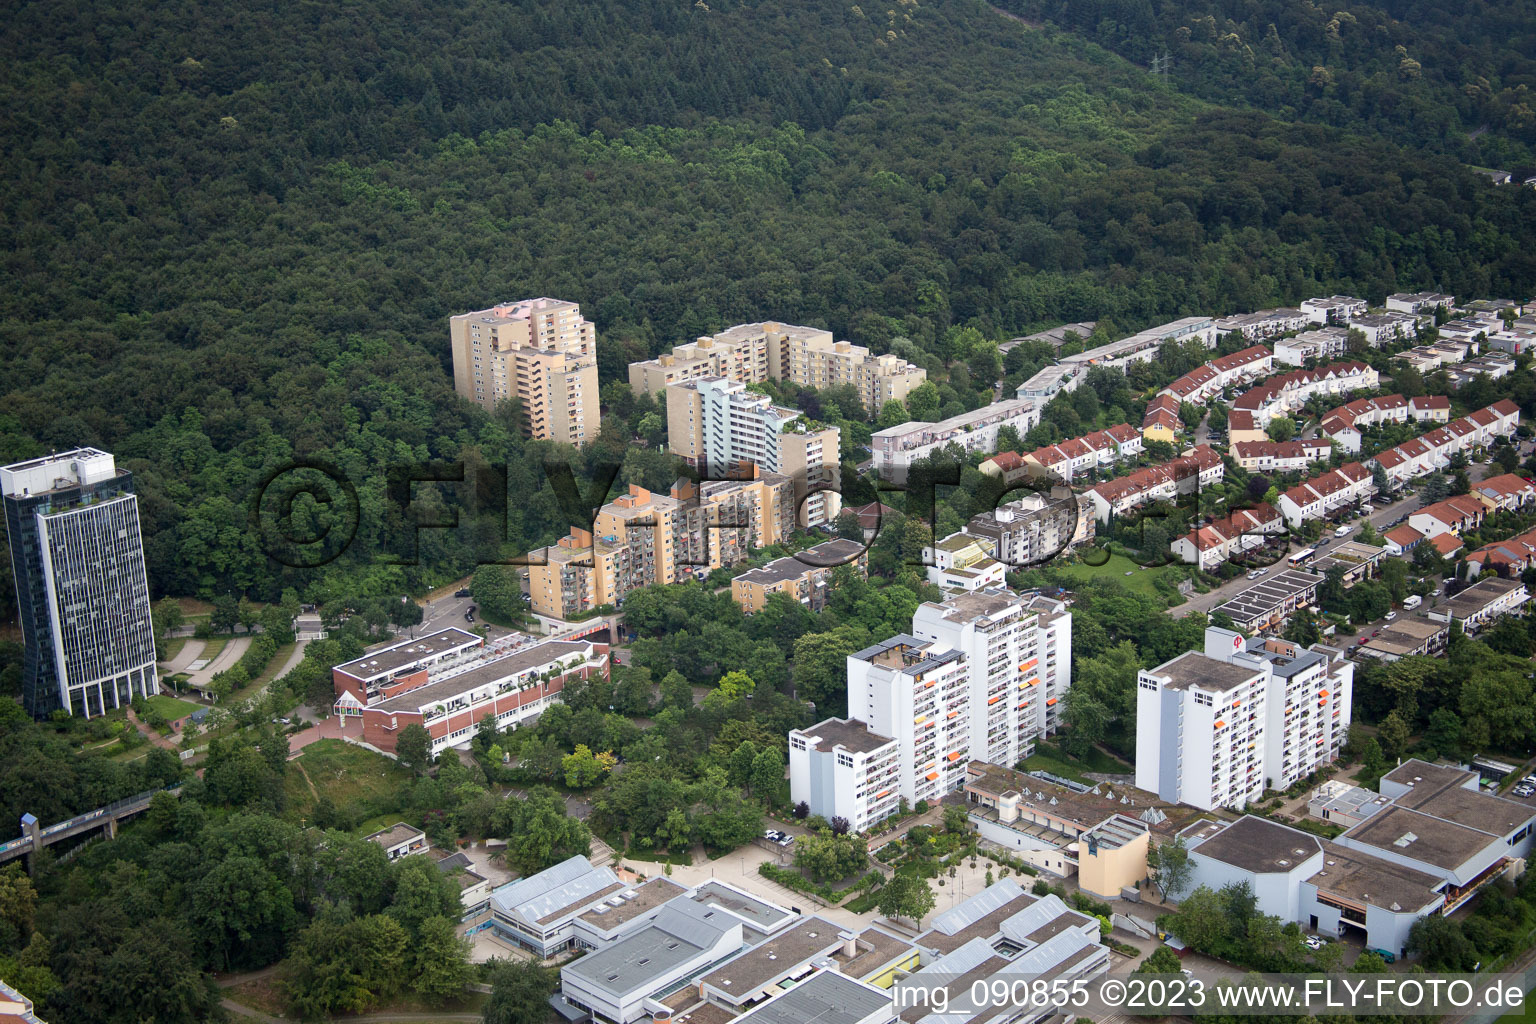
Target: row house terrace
1208, 546
1196, 470
1199, 384
1505, 492
1326, 493
1434, 450
1347, 423
1508, 558
1088, 453
1279, 456
1281, 395
1266, 323
1386, 327
1454, 515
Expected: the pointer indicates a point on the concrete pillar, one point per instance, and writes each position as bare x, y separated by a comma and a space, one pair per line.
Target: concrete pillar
33, 829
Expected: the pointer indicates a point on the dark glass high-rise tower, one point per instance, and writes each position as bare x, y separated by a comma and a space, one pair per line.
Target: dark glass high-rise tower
81, 589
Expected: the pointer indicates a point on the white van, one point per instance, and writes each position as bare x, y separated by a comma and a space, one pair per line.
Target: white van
1342, 531
1411, 602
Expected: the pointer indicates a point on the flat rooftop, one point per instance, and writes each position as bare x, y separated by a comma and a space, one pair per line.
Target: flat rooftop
772, 958
1269, 593
850, 733
876, 949
825, 555
395, 835
491, 672
395, 656
1441, 794
1086, 810
1479, 595
760, 914
1423, 837
1357, 876
826, 997
1260, 845
616, 910
1195, 669
979, 605
678, 935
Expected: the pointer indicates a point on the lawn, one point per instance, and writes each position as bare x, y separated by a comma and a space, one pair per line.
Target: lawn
171, 708
1121, 570
255, 685
1047, 758
346, 773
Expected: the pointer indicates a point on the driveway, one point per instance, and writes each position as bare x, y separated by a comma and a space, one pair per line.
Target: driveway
190, 652
232, 652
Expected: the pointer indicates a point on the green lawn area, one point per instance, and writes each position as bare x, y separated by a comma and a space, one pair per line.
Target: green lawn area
1048, 758
171, 708
212, 646
1527, 1013
250, 689
346, 773
1139, 579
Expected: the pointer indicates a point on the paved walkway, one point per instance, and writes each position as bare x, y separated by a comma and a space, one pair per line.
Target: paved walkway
232, 652
150, 734
190, 652
328, 729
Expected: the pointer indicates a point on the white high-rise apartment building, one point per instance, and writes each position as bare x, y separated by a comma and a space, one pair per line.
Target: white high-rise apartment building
1200, 731
1018, 653
82, 592
980, 676
919, 694
842, 770
716, 424
1307, 706
1216, 729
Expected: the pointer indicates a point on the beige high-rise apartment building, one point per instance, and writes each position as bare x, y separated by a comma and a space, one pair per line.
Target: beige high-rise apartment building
751, 353
716, 424
641, 538
539, 351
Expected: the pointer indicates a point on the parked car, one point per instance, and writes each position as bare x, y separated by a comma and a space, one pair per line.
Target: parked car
1387, 955
1391, 616
1314, 942
461, 592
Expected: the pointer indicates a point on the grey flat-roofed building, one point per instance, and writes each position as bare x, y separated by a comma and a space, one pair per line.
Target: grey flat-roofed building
1415, 839
1258, 844
759, 917
539, 912
1272, 599
616, 983
1195, 669
619, 915
1406, 637
827, 997
759, 972
408, 655
1481, 603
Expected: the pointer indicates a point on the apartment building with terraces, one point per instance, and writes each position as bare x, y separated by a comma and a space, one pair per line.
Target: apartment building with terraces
448, 681
753, 353
642, 538
542, 353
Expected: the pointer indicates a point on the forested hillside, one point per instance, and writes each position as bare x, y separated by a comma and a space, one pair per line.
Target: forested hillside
1457, 78
232, 234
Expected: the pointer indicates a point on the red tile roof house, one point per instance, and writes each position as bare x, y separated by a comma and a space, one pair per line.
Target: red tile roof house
1401, 539
1346, 423
1197, 469
1244, 530
1434, 450
1279, 456
1448, 544
1453, 515
1316, 498
1505, 491
1507, 557
1008, 466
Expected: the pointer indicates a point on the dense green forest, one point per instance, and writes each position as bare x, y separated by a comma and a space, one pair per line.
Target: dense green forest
1455, 78
232, 235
